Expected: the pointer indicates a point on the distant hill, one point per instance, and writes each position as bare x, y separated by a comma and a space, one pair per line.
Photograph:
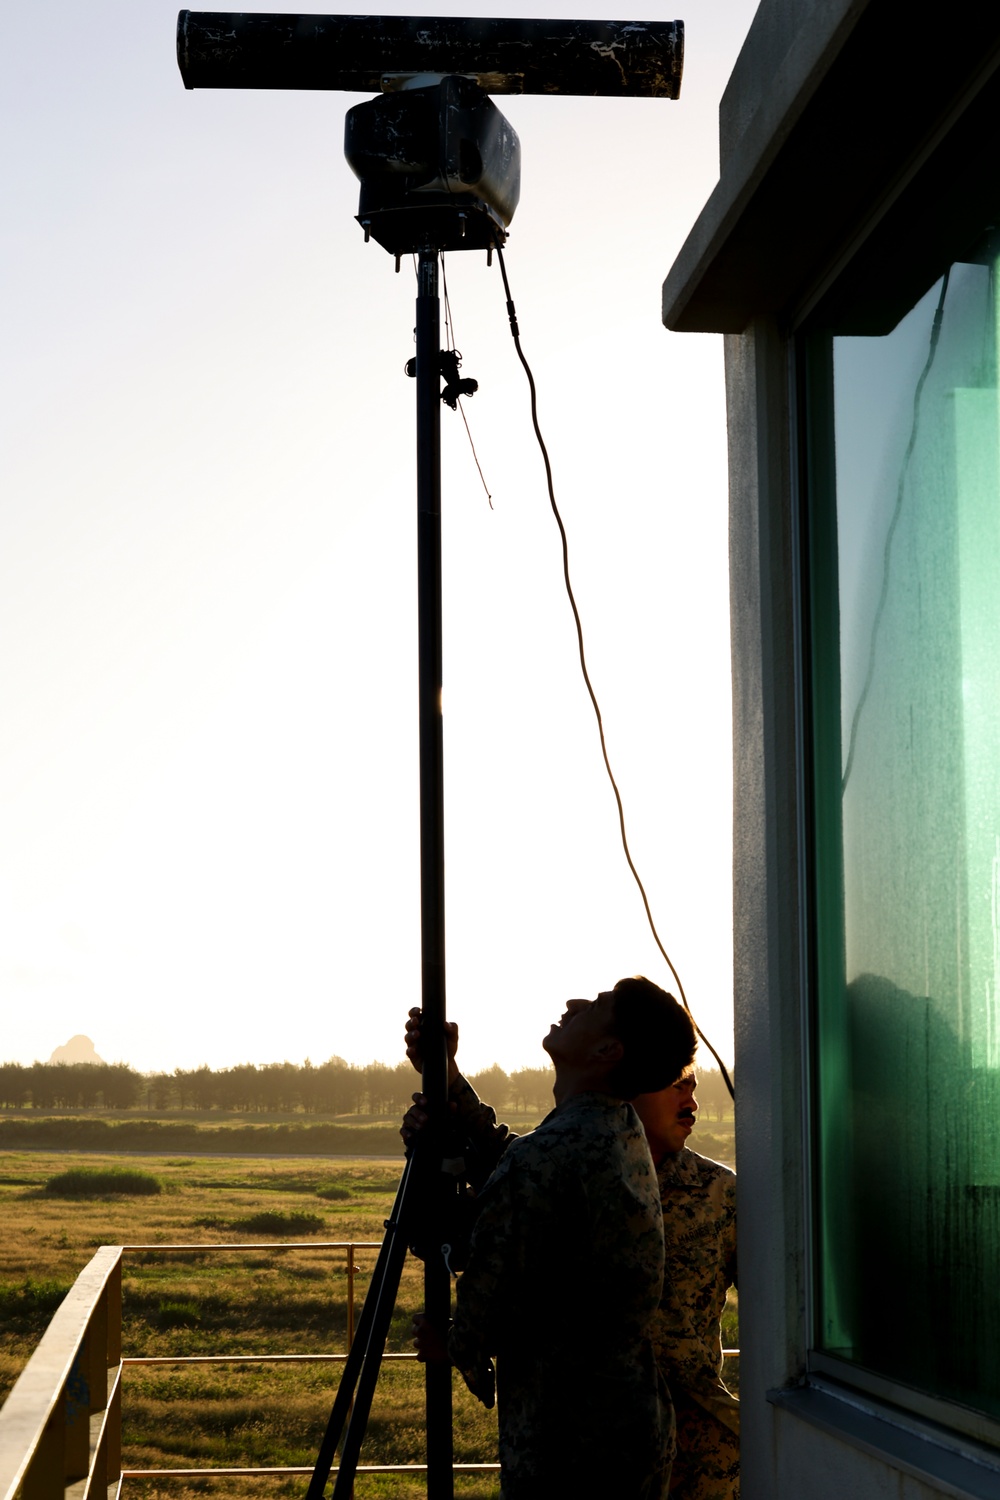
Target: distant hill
79, 1049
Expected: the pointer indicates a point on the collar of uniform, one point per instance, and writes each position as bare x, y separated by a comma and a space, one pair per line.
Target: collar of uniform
605, 1103
680, 1169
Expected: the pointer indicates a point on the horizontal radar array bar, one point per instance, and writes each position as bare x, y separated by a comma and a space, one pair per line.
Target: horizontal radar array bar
364, 54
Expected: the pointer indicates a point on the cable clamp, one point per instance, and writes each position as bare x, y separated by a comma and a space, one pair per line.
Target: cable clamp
454, 387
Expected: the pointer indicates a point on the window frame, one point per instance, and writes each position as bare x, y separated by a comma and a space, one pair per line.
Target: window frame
814, 580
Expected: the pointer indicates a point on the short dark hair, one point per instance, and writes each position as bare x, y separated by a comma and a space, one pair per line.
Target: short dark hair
657, 1036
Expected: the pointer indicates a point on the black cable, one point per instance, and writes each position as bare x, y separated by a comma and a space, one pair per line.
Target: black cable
515, 332
897, 511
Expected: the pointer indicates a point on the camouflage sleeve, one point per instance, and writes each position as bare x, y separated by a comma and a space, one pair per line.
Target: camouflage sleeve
488, 1140
729, 1234
485, 1289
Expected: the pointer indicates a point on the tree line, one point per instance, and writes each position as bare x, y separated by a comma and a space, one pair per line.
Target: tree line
331, 1088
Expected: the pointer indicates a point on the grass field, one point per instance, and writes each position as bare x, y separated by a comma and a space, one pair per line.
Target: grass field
212, 1133
224, 1132
285, 1301
288, 1301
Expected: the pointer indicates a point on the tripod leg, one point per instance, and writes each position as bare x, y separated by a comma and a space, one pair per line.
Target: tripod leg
369, 1373
381, 1285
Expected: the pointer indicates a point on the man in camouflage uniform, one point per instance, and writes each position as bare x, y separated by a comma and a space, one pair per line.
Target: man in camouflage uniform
699, 1229
566, 1262
699, 1220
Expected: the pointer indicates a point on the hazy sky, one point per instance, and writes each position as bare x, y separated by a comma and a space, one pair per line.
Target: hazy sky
208, 741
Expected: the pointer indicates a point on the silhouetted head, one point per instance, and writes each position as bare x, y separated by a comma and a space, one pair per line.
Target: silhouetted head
630, 1040
657, 1036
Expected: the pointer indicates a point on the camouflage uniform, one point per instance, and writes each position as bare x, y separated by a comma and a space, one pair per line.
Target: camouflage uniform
699, 1222
563, 1281
699, 1228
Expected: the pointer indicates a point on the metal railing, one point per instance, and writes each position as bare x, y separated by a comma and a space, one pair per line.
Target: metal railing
216, 1472
60, 1427
349, 1245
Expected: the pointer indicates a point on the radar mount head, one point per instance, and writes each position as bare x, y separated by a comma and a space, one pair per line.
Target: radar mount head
440, 166
438, 163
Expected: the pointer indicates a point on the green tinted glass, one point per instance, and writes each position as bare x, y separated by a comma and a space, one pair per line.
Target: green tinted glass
904, 486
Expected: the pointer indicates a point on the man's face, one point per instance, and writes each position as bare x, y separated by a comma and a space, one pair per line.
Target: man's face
681, 1107
580, 1028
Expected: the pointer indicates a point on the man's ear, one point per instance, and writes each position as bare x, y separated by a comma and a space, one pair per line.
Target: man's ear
608, 1050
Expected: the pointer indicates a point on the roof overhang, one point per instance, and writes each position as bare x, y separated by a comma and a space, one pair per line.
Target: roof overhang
869, 149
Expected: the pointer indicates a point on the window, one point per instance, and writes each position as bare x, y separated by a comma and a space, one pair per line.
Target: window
903, 479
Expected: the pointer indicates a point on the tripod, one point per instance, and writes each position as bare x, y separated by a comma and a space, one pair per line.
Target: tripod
361, 1370
422, 1181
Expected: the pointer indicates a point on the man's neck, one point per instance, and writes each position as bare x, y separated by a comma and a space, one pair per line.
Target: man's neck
569, 1084
659, 1147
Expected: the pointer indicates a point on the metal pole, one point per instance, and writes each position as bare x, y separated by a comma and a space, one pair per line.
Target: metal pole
437, 1279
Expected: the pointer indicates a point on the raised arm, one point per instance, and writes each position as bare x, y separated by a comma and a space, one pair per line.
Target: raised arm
478, 1119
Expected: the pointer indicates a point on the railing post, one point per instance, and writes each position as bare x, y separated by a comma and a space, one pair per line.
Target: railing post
95, 1350
113, 1295
350, 1297
112, 1444
105, 1381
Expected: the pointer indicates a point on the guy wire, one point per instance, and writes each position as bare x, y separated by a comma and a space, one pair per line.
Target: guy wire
450, 335
516, 335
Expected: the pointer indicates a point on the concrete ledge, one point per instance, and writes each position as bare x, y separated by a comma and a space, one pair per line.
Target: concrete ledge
775, 76
849, 115
940, 1463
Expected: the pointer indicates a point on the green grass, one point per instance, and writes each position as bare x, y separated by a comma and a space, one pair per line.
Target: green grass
28, 1305
178, 1314
731, 1340
189, 1133
272, 1223
91, 1182
215, 1135
281, 1301
716, 1140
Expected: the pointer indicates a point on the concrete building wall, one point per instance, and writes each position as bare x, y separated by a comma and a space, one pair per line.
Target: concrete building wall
769, 1104
828, 81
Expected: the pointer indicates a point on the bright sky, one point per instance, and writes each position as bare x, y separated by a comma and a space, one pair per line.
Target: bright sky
208, 741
